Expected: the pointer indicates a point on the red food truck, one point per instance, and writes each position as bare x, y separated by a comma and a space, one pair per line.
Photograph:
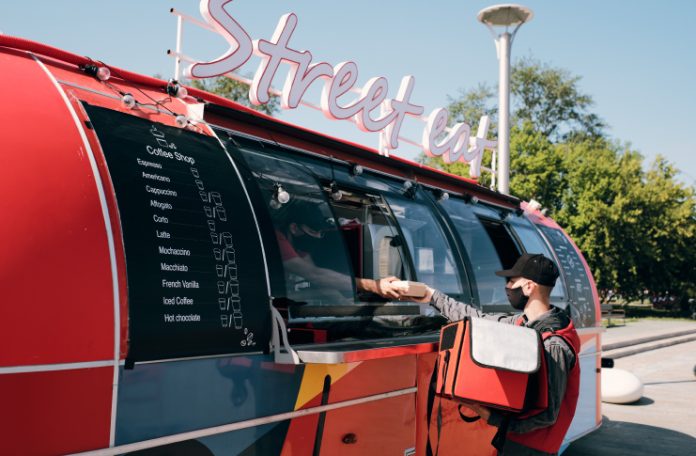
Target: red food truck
150, 302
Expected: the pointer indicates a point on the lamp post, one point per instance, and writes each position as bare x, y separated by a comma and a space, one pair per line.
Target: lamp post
503, 17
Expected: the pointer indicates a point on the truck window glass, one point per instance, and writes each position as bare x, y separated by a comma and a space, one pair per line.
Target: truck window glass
482, 254
431, 252
373, 241
502, 241
316, 268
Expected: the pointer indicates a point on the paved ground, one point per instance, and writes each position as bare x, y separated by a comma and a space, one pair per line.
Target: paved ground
663, 422
645, 328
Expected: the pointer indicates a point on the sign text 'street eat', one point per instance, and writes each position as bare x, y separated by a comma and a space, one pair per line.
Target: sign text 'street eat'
372, 110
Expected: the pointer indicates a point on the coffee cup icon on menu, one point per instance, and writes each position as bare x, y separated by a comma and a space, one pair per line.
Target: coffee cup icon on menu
208, 211
211, 225
215, 238
222, 287
216, 198
237, 322
204, 197
227, 238
194, 171
156, 133
220, 270
230, 256
199, 184
231, 271
236, 305
220, 213
218, 254
225, 321
223, 303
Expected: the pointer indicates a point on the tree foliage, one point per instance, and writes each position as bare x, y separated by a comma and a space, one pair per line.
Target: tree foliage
550, 99
235, 91
636, 227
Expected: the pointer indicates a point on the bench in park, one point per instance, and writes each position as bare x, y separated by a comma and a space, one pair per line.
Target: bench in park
609, 312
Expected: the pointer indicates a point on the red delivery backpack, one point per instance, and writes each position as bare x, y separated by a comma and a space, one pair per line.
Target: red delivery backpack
491, 363
498, 365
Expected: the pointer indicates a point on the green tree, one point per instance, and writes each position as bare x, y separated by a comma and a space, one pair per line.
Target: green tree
235, 91
668, 233
601, 210
471, 105
551, 100
636, 228
537, 167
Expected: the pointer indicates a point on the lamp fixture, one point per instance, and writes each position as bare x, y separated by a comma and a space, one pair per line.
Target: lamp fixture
336, 193
533, 205
175, 89
356, 170
441, 195
409, 188
471, 199
128, 101
101, 73
280, 195
181, 121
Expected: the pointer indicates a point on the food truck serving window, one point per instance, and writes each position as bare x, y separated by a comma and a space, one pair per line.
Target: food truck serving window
373, 240
196, 278
482, 253
432, 254
333, 232
316, 267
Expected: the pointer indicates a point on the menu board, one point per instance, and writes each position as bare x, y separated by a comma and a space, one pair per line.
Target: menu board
196, 277
582, 306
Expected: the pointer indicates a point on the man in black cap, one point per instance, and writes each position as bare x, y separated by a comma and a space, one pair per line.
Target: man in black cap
529, 285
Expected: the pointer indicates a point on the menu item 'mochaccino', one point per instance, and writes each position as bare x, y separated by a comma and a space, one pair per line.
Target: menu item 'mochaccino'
193, 255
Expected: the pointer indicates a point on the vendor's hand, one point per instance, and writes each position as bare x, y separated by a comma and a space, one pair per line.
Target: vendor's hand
483, 412
386, 289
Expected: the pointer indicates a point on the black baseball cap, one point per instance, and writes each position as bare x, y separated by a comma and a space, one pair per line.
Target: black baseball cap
535, 267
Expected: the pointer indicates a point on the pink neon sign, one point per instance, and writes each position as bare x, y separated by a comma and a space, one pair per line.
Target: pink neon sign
372, 110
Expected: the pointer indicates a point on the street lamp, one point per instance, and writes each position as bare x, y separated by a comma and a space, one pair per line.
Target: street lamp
503, 17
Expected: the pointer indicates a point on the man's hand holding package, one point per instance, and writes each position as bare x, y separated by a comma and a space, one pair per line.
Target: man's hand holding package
407, 294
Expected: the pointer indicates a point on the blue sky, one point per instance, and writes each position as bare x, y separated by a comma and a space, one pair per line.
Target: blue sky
635, 57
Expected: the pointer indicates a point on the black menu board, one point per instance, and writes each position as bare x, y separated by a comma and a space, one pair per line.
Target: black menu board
581, 303
196, 277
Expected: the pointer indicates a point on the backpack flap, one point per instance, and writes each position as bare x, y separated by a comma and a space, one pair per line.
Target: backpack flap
495, 364
504, 347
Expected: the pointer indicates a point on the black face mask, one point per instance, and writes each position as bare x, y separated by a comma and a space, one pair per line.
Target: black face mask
517, 299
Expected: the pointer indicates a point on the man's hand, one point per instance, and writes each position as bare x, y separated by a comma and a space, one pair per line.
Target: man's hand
385, 287
424, 300
483, 412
